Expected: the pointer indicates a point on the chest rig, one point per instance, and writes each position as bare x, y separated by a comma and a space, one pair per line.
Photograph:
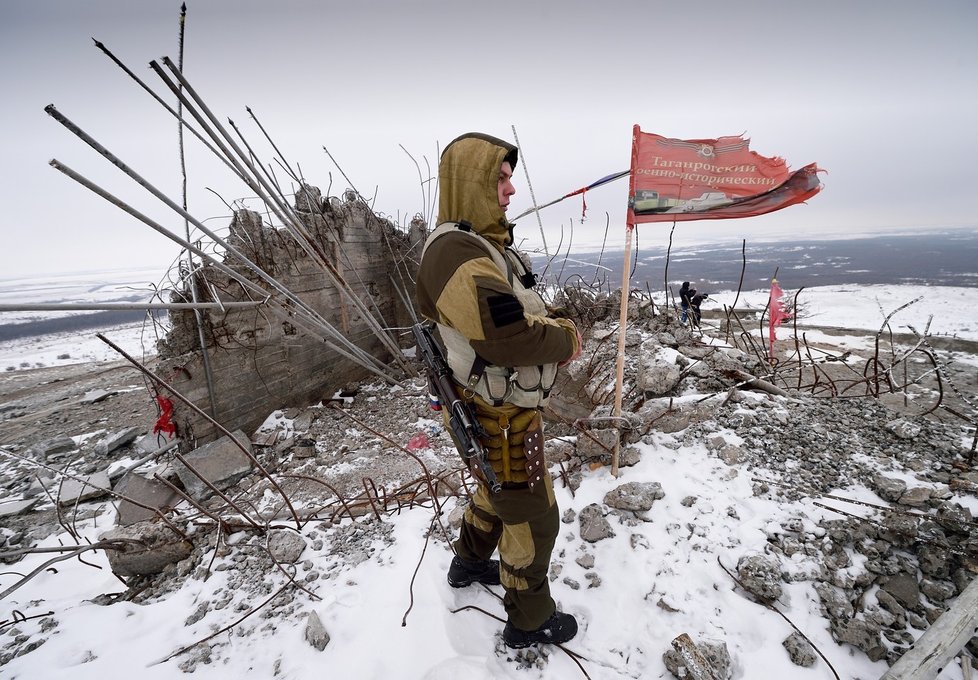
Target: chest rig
524, 386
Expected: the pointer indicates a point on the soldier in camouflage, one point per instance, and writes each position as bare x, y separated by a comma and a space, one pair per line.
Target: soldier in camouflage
504, 351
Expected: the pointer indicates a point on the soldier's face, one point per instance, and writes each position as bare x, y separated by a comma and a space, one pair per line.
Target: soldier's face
506, 188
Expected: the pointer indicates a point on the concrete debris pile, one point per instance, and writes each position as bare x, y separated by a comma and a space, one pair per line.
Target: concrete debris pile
880, 579
275, 357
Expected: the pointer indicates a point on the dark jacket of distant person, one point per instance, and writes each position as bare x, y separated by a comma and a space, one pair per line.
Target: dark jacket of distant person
685, 294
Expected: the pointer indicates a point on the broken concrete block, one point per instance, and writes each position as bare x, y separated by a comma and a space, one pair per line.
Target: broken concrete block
760, 575
53, 446
800, 651
40, 485
304, 448
148, 443
95, 396
220, 462
634, 496
149, 492
657, 377
84, 488
157, 547
116, 440
593, 525
11, 508
698, 660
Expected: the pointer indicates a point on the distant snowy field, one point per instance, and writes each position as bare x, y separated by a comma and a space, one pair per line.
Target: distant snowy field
119, 285
935, 310
61, 349
939, 311
58, 349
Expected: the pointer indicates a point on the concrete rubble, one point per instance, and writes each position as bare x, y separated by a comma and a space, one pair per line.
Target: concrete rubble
117, 440
150, 548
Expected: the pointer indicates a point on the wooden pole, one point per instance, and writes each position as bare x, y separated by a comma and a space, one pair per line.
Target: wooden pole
620, 362
623, 315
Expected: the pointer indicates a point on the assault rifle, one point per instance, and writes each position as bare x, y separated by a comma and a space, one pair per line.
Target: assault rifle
461, 415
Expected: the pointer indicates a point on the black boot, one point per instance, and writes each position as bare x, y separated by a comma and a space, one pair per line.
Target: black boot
464, 573
558, 628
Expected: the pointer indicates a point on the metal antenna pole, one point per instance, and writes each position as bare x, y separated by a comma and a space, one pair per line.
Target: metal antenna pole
191, 268
533, 199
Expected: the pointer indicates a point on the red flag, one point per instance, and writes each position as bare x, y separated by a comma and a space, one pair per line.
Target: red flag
777, 315
165, 422
709, 179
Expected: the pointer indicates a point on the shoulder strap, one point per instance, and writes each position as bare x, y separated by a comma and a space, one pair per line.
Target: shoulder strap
527, 277
463, 227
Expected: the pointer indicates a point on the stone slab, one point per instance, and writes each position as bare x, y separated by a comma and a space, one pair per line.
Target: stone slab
116, 440
12, 508
54, 445
95, 396
73, 490
145, 491
220, 462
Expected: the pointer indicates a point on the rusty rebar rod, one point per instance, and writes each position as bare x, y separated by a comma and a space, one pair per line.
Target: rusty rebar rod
424, 467
779, 613
108, 155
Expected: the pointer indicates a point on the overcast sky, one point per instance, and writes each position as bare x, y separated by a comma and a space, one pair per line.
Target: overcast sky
884, 96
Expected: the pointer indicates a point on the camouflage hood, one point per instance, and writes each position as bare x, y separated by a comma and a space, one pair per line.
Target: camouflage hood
468, 181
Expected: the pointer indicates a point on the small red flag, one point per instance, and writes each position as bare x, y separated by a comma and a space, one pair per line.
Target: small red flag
165, 422
777, 314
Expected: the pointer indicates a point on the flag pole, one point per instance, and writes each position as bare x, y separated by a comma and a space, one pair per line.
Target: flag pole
620, 361
623, 313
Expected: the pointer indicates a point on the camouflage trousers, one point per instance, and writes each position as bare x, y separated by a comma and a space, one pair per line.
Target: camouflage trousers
523, 524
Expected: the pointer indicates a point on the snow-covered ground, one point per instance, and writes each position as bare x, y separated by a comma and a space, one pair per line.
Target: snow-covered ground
658, 579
